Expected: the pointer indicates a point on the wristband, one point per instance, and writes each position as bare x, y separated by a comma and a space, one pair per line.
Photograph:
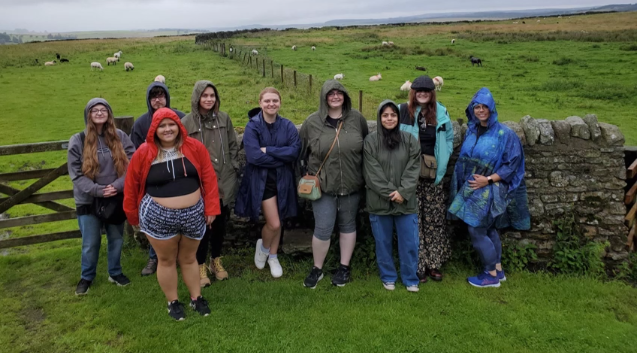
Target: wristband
490, 180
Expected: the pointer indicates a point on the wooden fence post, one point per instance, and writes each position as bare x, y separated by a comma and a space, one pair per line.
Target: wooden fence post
282, 82
294, 78
124, 123
310, 83
263, 67
360, 101
272, 66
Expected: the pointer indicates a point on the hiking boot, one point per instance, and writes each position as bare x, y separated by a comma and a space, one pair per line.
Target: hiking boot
260, 257
217, 268
200, 305
435, 274
501, 275
413, 288
389, 285
151, 267
342, 276
82, 287
484, 280
312, 279
275, 267
176, 310
204, 281
120, 280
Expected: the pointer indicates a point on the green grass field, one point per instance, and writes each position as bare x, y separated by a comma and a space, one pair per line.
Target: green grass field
546, 70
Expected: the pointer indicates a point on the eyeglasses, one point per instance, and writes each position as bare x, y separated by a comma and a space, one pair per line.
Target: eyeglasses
98, 111
480, 107
334, 93
158, 98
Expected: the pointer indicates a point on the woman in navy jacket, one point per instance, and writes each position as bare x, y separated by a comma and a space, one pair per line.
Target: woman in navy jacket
272, 145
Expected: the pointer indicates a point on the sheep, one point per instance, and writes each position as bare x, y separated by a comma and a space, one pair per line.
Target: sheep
63, 60
384, 44
390, 43
538, 21
255, 52
406, 86
515, 23
421, 68
49, 63
453, 41
160, 78
475, 60
294, 47
438, 82
231, 49
117, 55
313, 48
96, 65
110, 60
376, 77
338, 76
57, 56
128, 66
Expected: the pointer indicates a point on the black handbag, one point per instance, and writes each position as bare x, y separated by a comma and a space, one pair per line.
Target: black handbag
109, 209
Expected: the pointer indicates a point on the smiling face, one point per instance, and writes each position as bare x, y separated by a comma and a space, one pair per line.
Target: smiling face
335, 99
207, 100
482, 112
158, 101
167, 132
99, 114
423, 97
389, 118
270, 104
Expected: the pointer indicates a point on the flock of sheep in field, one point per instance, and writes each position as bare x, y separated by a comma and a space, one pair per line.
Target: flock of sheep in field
96, 65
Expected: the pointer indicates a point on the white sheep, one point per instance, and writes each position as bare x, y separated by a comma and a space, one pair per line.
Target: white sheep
117, 55
294, 47
390, 43
96, 65
376, 77
385, 44
453, 41
313, 48
338, 76
49, 63
128, 66
160, 78
231, 49
255, 52
406, 86
110, 60
538, 21
438, 82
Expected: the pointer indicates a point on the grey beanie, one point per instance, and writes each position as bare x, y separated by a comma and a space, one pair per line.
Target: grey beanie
424, 83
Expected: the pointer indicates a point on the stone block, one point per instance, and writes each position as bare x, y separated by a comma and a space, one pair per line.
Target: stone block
531, 129
578, 127
547, 136
457, 134
593, 126
297, 241
512, 235
611, 135
590, 231
536, 208
463, 130
616, 208
558, 179
549, 198
568, 197
562, 130
517, 128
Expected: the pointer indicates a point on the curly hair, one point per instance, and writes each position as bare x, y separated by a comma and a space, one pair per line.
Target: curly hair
90, 162
429, 110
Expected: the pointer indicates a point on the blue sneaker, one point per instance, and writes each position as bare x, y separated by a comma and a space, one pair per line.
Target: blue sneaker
484, 280
501, 276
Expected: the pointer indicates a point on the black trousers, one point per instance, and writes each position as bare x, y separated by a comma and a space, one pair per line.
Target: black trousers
214, 236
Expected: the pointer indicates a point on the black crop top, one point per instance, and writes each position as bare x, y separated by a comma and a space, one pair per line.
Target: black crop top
167, 178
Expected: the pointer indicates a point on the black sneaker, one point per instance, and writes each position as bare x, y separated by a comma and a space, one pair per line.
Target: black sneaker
176, 310
312, 279
200, 305
120, 280
342, 276
82, 287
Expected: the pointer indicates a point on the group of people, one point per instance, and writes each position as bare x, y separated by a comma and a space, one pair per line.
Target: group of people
176, 176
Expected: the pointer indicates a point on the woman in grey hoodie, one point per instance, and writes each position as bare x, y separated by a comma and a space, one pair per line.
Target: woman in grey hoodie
97, 161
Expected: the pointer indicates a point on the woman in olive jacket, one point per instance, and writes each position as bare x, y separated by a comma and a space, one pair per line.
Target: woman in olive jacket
391, 170
341, 177
214, 129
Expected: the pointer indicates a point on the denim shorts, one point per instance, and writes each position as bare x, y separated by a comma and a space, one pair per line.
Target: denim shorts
163, 223
328, 209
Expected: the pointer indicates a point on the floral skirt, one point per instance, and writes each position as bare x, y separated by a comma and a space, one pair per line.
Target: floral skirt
435, 245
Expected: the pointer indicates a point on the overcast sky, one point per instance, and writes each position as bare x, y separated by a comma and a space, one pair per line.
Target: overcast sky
89, 15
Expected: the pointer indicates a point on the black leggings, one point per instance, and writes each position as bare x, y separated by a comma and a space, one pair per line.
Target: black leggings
214, 235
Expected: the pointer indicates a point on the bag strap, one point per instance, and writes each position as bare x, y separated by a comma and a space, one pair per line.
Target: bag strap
338, 131
82, 137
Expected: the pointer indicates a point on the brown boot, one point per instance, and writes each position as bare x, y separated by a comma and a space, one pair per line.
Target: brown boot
217, 268
204, 281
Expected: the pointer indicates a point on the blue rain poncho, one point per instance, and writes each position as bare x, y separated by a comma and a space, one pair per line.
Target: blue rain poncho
498, 150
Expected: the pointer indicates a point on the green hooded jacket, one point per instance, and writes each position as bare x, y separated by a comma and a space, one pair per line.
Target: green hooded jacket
216, 132
342, 173
388, 170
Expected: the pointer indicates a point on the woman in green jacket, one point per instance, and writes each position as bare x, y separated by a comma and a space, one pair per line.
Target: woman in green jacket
429, 122
214, 129
391, 170
341, 177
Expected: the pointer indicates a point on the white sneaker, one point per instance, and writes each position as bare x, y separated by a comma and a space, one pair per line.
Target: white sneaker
389, 285
275, 267
413, 288
260, 257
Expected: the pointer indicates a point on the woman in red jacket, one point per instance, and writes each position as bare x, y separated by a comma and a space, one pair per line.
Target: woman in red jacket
171, 193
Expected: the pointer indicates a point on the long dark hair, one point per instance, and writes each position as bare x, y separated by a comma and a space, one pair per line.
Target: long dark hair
391, 138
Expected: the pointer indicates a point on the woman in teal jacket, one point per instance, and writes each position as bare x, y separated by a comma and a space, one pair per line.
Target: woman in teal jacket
429, 122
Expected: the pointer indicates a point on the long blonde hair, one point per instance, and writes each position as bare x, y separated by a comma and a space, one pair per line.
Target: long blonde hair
90, 162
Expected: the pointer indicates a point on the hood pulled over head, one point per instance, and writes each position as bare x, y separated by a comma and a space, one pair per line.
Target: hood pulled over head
197, 91
93, 102
483, 96
161, 114
327, 87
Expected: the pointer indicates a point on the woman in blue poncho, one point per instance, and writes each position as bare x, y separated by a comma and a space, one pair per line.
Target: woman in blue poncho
487, 188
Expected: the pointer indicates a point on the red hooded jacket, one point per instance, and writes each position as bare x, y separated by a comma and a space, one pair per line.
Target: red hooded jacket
139, 166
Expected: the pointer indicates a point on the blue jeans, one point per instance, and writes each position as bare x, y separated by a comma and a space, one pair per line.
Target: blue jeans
91, 228
487, 243
151, 252
407, 230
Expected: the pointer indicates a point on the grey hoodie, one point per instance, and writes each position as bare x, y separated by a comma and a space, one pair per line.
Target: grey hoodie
85, 189
142, 124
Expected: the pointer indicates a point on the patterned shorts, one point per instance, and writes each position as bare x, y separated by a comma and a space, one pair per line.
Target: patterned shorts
164, 223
